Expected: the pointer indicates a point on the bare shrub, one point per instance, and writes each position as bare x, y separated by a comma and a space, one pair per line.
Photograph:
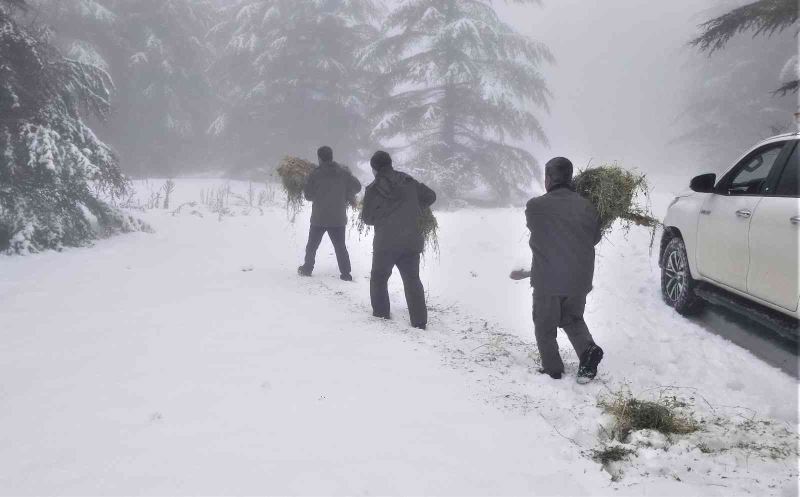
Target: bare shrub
168, 188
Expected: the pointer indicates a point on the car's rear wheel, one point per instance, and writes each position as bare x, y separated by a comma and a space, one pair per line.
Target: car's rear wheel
677, 284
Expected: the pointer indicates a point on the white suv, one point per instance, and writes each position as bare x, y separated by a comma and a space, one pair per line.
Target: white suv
735, 240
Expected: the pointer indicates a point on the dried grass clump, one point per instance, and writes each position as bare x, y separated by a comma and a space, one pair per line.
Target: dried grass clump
614, 193
428, 225
612, 453
294, 173
632, 414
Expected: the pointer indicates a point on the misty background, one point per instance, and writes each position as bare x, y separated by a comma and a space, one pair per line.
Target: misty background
192, 93
627, 86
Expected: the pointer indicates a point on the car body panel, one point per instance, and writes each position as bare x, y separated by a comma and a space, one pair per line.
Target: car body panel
718, 220
683, 215
774, 272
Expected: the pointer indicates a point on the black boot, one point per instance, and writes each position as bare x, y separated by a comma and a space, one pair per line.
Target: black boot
590, 359
304, 271
346, 277
555, 376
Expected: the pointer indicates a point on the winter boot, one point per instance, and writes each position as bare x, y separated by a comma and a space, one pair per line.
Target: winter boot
304, 271
587, 369
346, 277
555, 376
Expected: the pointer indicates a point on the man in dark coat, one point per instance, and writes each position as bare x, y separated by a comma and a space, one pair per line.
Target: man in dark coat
393, 204
329, 187
565, 228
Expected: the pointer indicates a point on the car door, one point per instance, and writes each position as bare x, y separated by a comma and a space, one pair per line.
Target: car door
774, 273
723, 252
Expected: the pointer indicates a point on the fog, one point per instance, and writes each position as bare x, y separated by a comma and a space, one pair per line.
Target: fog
621, 81
618, 79
229, 87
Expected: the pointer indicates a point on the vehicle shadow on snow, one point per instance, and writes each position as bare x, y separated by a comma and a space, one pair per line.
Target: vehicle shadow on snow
758, 339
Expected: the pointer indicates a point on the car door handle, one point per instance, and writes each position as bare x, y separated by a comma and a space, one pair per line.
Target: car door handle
795, 220
745, 213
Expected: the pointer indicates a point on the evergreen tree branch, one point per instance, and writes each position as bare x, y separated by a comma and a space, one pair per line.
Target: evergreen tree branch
763, 17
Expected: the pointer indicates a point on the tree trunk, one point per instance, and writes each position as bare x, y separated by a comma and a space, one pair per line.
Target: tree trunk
448, 127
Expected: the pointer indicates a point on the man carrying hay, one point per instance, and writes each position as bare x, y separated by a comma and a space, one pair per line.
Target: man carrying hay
565, 228
329, 186
393, 204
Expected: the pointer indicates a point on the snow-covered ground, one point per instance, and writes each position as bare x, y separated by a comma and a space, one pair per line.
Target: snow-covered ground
193, 360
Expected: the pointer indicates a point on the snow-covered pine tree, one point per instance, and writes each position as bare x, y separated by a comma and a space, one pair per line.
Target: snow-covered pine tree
166, 96
731, 97
461, 85
287, 71
158, 57
54, 172
729, 101
761, 18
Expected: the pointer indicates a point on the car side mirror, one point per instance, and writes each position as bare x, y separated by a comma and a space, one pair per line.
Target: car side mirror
703, 183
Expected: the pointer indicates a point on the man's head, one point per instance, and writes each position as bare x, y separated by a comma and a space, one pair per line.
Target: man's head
557, 172
380, 161
325, 154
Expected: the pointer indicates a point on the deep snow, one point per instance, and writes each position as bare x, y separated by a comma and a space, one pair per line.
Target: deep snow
194, 361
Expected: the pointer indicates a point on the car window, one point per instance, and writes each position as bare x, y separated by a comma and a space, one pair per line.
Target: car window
750, 175
789, 184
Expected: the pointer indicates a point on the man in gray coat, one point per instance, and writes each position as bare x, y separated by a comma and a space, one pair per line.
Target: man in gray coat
329, 187
393, 204
565, 228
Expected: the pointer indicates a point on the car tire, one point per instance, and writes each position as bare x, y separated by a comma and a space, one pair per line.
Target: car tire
677, 284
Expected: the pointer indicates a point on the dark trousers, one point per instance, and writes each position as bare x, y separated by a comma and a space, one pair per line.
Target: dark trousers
552, 312
337, 236
408, 264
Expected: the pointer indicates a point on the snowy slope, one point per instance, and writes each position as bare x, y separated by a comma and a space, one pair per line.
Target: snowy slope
195, 361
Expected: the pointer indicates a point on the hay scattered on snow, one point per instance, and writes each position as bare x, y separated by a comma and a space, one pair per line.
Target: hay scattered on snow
611, 453
632, 414
294, 173
617, 194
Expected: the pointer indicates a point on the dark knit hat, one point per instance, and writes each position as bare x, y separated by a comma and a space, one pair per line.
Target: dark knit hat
559, 170
325, 153
381, 160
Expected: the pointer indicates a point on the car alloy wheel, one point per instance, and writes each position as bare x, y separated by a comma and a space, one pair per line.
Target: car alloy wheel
676, 272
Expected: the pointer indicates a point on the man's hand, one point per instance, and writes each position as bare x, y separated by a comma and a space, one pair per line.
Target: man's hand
519, 274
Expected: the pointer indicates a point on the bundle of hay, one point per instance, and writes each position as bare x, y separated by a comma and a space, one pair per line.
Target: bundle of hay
294, 173
428, 225
616, 193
